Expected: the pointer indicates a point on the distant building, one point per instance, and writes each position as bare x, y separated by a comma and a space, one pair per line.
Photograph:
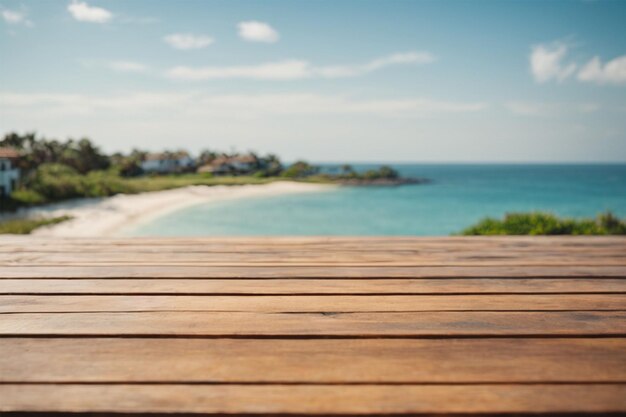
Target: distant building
9, 174
244, 163
230, 165
218, 166
167, 163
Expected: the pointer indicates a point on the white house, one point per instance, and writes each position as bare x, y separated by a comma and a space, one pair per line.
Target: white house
242, 164
9, 174
218, 166
164, 163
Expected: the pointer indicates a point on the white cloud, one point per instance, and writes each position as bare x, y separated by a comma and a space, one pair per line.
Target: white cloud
309, 125
546, 62
14, 17
254, 31
374, 65
550, 109
127, 66
400, 58
235, 106
612, 72
336, 104
296, 69
187, 41
83, 12
282, 70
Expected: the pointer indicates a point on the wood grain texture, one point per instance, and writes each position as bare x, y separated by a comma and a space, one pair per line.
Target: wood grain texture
424, 286
311, 303
603, 251
313, 361
236, 324
313, 326
297, 272
316, 400
17, 242
312, 259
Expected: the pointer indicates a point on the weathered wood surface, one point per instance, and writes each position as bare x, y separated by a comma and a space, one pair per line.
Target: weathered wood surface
421, 286
17, 270
327, 400
317, 326
336, 304
472, 360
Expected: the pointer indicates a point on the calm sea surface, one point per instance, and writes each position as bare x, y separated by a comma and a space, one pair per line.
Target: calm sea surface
459, 196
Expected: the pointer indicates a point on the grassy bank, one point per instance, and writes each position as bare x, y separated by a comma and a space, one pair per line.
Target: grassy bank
547, 224
53, 170
25, 226
56, 182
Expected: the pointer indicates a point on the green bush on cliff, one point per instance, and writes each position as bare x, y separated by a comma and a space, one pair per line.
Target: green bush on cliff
538, 223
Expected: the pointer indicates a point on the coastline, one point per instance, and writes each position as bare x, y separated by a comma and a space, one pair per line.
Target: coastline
110, 216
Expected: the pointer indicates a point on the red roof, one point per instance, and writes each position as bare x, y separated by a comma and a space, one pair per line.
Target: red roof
9, 153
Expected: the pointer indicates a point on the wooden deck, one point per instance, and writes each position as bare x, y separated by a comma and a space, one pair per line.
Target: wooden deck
326, 326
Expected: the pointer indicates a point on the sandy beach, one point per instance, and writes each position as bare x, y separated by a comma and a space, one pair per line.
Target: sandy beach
111, 216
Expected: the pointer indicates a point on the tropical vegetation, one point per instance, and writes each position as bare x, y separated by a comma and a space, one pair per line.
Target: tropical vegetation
538, 223
54, 170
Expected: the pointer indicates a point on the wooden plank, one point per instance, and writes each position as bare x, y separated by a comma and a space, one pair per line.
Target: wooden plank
366, 247
434, 325
347, 361
236, 324
311, 303
312, 258
373, 252
319, 241
312, 286
292, 272
302, 250
325, 399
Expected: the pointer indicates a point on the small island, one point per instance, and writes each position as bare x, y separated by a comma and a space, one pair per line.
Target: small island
382, 176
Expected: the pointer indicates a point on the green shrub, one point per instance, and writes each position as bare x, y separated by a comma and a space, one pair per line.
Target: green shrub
25, 226
53, 182
300, 169
56, 182
28, 197
538, 223
383, 172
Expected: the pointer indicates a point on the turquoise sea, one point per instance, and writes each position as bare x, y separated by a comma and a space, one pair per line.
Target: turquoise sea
458, 196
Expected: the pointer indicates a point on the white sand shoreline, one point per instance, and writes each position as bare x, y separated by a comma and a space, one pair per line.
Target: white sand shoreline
114, 215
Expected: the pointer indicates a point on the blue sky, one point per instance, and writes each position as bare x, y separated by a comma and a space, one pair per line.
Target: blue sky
462, 81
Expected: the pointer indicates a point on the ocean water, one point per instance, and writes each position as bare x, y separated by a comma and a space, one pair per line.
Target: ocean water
458, 196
